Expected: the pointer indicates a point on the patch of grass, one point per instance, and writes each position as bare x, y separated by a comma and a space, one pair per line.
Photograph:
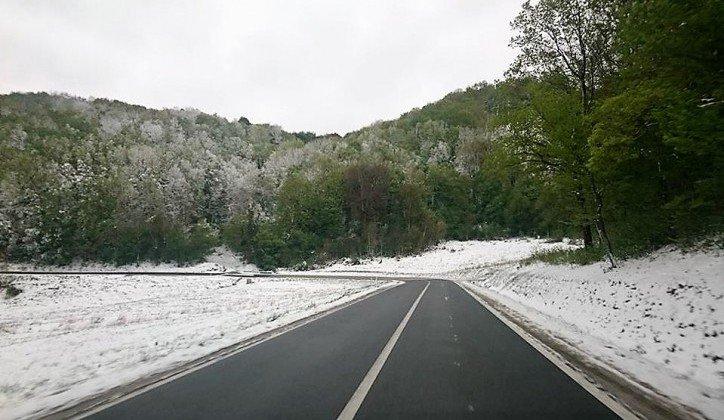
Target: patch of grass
10, 290
580, 256
699, 243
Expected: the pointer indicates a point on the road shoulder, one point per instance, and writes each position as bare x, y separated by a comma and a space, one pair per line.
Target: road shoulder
625, 396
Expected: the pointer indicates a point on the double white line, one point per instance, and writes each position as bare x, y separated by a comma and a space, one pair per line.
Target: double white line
359, 395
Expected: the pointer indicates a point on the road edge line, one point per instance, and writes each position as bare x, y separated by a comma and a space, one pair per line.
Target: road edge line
555, 358
359, 395
113, 396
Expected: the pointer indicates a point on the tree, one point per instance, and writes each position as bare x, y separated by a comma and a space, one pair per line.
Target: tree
570, 38
450, 199
410, 224
549, 137
367, 188
305, 136
570, 43
658, 140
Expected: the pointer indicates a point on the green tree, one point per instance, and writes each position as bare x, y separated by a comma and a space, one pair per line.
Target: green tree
410, 225
569, 43
658, 140
367, 197
450, 199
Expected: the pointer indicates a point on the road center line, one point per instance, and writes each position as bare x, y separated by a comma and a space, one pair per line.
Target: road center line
359, 395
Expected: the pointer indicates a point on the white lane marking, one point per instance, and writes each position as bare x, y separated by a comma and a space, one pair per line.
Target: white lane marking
551, 355
359, 395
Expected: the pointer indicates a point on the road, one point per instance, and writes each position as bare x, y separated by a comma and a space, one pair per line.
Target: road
419, 350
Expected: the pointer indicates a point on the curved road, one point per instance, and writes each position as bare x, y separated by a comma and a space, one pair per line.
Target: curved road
419, 350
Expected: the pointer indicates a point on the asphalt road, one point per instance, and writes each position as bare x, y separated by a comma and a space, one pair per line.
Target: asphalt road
452, 359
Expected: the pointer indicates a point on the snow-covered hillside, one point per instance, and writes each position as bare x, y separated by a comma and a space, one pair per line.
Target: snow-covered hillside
66, 336
449, 256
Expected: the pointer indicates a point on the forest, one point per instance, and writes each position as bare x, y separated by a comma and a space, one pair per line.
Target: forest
606, 128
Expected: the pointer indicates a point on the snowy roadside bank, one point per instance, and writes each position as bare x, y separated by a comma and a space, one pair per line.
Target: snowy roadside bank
449, 256
68, 337
658, 320
222, 260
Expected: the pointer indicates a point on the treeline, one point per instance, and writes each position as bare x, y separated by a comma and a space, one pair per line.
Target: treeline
621, 114
608, 127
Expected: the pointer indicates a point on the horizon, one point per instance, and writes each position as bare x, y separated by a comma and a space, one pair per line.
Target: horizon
232, 119
316, 66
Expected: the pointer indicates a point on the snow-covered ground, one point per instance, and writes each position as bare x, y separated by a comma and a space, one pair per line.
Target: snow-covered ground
449, 256
66, 337
221, 260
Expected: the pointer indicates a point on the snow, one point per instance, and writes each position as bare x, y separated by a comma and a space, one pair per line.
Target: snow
449, 256
221, 260
658, 319
66, 337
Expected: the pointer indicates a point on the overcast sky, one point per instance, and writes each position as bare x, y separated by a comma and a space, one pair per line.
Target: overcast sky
314, 65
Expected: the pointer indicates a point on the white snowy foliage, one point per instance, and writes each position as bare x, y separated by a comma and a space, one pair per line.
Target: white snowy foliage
152, 131
18, 138
474, 145
178, 195
281, 162
439, 154
242, 179
112, 123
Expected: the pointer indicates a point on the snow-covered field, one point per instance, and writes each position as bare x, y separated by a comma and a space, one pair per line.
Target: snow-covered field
66, 337
449, 256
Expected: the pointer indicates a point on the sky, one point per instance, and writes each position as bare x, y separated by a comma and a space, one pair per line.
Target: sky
316, 65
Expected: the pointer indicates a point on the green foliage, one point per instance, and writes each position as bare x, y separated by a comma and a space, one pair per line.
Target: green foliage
308, 214
471, 107
450, 199
267, 246
410, 225
159, 242
633, 143
239, 232
657, 142
305, 136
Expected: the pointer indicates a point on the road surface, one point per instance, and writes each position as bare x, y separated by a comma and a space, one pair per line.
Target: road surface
419, 350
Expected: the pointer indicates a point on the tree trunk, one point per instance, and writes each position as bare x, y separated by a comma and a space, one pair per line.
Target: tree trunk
600, 223
586, 232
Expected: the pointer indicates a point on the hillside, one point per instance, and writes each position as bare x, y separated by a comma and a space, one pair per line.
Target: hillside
104, 180
79, 174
